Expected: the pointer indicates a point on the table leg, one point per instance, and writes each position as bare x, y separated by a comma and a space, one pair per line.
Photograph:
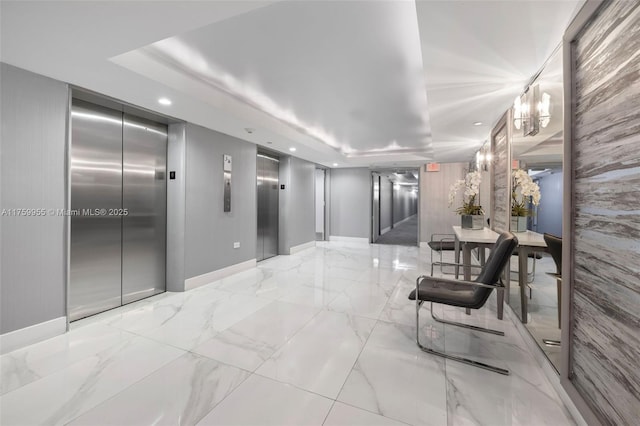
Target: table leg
466, 266
456, 255
523, 256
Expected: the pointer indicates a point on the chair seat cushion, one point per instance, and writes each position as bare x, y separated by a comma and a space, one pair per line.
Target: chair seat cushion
438, 291
442, 245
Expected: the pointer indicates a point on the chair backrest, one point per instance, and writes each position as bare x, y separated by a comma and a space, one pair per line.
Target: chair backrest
500, 255
554, 244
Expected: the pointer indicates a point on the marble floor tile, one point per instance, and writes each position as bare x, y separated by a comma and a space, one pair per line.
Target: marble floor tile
330, 284
192, 327
394, 379
346, 415
387, 278
269, 283
60, 397
262, 401
23, 366
476, 396
253, 340
399, 309
163, 311
328, 333
180, 393
362, 299
314, 297
319, 357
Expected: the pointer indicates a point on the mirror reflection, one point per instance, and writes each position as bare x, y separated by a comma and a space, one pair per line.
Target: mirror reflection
536, 158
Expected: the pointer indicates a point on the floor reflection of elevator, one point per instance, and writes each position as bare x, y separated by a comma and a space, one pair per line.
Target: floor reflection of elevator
118, 188
267, 168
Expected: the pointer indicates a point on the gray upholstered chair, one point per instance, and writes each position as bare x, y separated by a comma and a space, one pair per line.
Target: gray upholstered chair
465, 294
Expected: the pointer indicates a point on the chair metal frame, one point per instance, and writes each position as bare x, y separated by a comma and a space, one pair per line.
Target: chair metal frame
458, 324
505, 238
445, 238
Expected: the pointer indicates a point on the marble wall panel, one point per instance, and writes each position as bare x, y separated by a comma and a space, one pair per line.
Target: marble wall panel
605, 336
501, 175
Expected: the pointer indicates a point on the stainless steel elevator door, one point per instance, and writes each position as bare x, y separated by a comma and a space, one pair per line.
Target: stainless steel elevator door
96, 183
118, 189
267, 193
144, 195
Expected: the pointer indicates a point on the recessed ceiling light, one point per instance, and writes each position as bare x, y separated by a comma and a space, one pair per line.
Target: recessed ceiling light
269, 142
478, 123
164, 101
249, 130
292, 149
335, 164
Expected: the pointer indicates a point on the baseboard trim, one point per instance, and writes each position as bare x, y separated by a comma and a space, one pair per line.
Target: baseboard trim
209, 277
424, 244
544, 363
33, 334
404, 220
359, 240
300, 247
385, 230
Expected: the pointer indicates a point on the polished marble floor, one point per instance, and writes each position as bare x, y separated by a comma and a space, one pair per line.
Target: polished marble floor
325, 336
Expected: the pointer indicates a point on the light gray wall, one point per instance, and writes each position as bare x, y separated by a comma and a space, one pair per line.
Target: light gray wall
209, 231
32, 253
351, 202
176, 196
435, 215
297, 203
319, 200
386, 202
550, 208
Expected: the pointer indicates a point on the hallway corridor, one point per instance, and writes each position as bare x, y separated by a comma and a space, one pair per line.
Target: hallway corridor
404, 234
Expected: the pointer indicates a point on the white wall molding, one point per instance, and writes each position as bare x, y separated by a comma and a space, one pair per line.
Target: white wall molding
209, 277
300, 247
359, 240
385, 230
33, 334
550, 373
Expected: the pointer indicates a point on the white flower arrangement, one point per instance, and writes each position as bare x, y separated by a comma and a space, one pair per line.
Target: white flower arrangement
471, 184
523, 188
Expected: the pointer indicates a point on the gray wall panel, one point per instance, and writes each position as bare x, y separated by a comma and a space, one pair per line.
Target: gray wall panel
435, 215
32, 277
350, 202
209, 231
605, 244
301, 221
176, 195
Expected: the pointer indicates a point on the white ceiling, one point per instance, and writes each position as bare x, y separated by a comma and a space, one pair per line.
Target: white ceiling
355, 83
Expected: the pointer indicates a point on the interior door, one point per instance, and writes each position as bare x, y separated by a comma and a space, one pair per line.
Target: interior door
375, 207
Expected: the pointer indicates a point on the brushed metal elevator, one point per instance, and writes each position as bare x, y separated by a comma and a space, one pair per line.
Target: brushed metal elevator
118, 203
267, 173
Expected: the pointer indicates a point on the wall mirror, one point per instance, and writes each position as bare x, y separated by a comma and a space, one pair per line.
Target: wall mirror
537, 150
